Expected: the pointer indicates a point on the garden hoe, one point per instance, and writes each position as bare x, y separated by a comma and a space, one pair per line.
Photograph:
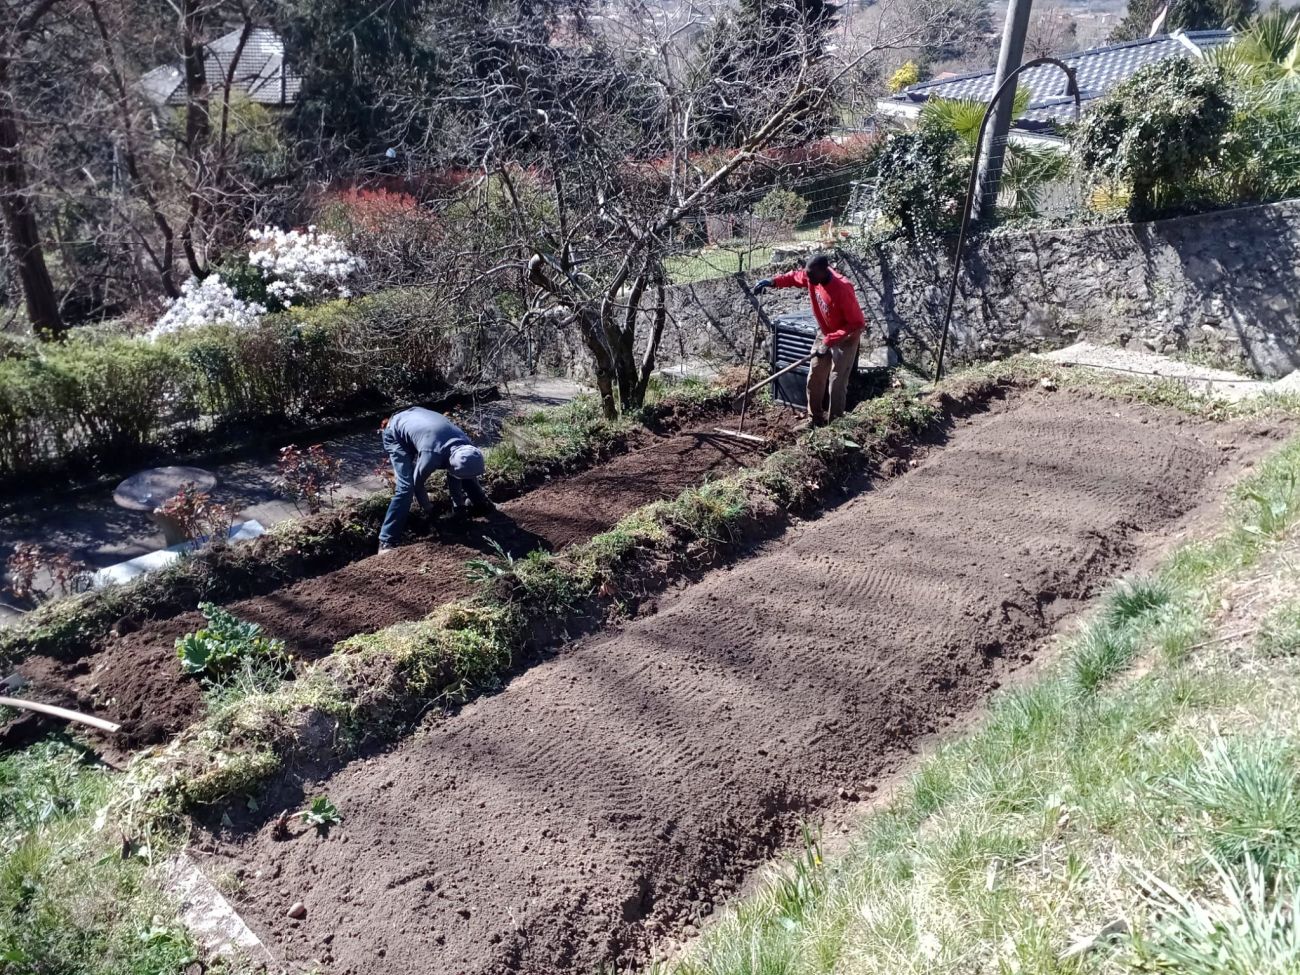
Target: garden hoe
749, 378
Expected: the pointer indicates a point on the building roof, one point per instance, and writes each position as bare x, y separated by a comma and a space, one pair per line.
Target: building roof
1098, 70
261, 74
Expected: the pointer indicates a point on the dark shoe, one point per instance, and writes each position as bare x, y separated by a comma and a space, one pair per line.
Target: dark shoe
385, 548
483, 509
808, 424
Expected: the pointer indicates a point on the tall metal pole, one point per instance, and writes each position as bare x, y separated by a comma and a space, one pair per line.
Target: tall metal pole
968, 205
1013, 49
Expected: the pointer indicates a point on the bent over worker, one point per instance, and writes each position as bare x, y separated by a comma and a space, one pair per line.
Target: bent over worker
840, 321
419, 442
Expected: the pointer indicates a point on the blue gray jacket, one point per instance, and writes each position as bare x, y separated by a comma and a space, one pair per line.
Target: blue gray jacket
429, 438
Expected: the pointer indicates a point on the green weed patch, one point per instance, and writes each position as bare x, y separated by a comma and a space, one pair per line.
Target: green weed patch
76, 897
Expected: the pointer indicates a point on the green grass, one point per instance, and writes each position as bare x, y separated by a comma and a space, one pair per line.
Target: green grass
1244, 791
1165, 799
1245, 927
551, 440
1279, 633
74, 898
729, 257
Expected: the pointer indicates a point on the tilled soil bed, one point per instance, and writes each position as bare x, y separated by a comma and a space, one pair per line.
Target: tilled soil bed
611, 794
136, 679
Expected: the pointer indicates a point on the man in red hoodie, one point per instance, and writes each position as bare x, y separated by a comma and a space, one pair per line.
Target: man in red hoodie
839, 317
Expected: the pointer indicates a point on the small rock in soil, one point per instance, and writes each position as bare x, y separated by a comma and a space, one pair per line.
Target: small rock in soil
297, 911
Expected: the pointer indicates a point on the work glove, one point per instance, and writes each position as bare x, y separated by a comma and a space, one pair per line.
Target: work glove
820, 348
762, 286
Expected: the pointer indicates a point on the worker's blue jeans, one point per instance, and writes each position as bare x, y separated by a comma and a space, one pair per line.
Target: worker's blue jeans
461, 491
403, 487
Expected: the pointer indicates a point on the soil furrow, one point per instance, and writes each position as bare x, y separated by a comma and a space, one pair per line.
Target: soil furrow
610, 795
137, 681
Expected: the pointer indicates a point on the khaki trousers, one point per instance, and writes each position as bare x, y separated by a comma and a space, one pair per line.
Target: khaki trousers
829, 374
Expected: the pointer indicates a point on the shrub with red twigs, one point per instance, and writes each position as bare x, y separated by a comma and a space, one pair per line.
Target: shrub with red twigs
309, 477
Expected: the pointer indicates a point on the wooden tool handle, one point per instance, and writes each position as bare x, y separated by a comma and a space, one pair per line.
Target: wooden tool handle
64, 713
775, 375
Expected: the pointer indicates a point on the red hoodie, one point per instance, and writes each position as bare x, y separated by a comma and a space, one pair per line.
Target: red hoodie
835, 305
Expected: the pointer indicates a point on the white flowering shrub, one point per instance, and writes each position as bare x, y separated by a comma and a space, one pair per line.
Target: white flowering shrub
302, 266
208, 302
285, 267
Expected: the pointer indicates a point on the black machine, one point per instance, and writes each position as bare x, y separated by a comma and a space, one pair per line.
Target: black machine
793, 338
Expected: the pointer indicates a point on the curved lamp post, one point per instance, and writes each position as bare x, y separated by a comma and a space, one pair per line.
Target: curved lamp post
1072, 88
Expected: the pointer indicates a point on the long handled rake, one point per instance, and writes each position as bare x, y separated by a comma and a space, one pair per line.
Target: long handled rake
752, 386
744, 397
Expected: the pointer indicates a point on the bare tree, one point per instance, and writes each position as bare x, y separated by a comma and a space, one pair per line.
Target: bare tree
1052, 32
24, 21
625, 181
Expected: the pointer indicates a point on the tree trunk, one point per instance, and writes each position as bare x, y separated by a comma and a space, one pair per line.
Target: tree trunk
656, 335
20, 222
198, 123
600, 357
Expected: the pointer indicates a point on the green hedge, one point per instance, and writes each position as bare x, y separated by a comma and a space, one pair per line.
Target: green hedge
101, 398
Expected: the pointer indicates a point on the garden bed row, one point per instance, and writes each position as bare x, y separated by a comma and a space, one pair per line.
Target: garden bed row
544, 444
374, 685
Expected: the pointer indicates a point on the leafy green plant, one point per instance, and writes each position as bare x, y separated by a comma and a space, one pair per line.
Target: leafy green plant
321, 813
1157, 133
916, 181
1273, 507
783, 207
487, 571
1249, 928
223, 643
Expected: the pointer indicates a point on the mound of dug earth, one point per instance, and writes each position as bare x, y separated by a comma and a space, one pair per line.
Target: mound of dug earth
610, 795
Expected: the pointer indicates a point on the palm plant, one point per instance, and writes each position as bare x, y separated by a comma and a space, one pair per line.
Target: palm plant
1025, 169
1272, 46
1265, 58
1261, 153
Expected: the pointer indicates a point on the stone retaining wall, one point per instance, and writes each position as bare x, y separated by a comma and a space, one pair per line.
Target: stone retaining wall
1226, 282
